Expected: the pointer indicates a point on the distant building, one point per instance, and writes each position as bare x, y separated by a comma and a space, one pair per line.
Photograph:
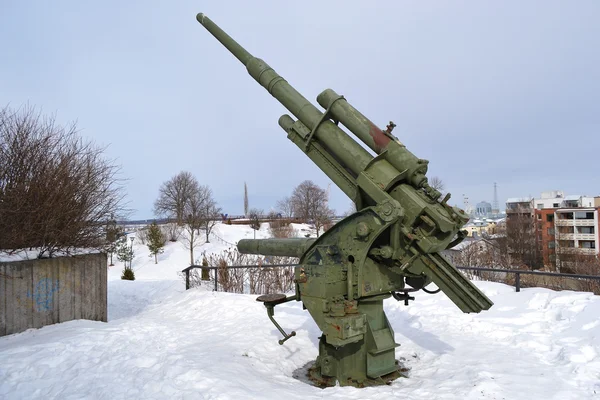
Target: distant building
519, 205
480, 227
565, 228
568, 229
483, 209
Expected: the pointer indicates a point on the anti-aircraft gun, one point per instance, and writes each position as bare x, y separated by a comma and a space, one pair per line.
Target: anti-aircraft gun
389, 247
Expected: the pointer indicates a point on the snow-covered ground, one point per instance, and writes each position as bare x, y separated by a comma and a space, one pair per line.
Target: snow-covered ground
162, 342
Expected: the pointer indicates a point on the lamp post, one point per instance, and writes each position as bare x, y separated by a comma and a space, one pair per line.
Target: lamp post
131, 259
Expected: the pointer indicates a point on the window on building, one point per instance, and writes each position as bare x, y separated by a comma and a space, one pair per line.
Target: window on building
585, 229
566, 229
566, 243
539, 216
551, 245
555, 205
587, 244
550, 231
550, 217
584, 215
540, 206
568, 215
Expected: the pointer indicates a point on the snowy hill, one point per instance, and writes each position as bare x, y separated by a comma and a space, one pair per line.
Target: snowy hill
162, 342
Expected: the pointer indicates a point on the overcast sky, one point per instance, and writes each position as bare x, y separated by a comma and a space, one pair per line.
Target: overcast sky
504, 91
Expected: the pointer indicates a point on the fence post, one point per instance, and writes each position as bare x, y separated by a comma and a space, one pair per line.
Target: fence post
216, 282
518, 281
187, 279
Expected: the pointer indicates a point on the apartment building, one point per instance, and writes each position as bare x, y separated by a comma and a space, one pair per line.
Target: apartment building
553, 228
576, 232
566, 227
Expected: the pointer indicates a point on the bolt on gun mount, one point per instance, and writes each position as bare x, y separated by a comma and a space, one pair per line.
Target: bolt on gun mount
393, 240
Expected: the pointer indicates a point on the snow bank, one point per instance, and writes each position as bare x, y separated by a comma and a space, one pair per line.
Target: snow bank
163, 342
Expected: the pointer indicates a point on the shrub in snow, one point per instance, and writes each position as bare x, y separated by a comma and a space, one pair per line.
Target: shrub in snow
205, 271
128, 274
261, 279
171, 231
57, 192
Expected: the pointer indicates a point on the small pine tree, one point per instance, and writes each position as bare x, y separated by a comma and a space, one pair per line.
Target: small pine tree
113, 232
124, 251
156, 241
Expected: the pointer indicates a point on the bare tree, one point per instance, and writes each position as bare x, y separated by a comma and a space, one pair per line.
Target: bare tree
210, 211
173, 196
285, 207
57, 191
254, 216
351, 210
201, 212
172, 231
193, 219
436, 183
245, 200
310, 203
521, 240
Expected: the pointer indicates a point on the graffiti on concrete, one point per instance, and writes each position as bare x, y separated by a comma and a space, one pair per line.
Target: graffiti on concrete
43, 294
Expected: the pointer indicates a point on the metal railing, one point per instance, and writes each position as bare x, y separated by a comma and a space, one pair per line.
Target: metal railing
216, 275
516, 272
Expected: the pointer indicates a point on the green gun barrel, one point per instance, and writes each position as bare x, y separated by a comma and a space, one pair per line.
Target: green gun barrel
293, 247
349, 152
377, 140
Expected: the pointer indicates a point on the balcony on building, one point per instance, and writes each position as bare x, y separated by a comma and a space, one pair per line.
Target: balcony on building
575, 217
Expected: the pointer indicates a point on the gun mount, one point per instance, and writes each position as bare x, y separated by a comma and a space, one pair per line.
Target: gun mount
390, 247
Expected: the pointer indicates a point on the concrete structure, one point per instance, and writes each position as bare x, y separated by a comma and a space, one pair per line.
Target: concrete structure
557, 199
519, 205
35, 293
550, 199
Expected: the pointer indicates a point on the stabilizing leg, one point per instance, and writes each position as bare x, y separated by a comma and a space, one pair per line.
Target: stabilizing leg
270, 301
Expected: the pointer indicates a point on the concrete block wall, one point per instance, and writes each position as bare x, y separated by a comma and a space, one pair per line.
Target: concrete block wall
35, 293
